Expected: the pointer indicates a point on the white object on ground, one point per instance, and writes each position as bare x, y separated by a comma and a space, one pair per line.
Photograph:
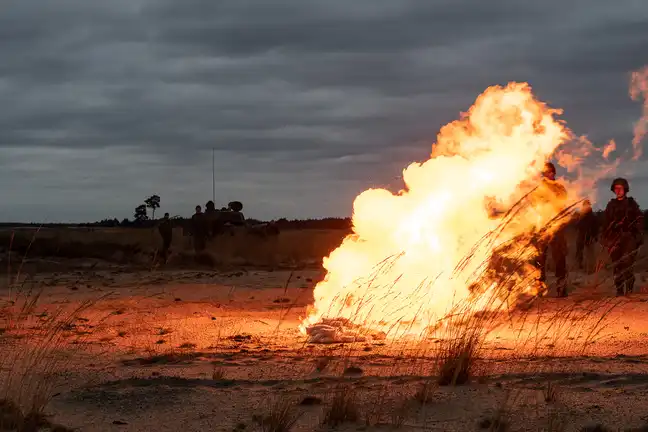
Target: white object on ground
338, 330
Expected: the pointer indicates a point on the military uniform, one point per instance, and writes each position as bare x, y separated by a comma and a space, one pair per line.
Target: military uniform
554, 193
623, 235
210, 219
587, 227
199, 230
166, 231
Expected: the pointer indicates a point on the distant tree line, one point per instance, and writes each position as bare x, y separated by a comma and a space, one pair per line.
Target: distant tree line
141, 220
282, 224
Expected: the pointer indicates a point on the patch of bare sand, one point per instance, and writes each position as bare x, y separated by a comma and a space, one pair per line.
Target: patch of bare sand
191, 351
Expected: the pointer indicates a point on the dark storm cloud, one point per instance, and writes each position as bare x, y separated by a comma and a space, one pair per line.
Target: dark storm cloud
306, 102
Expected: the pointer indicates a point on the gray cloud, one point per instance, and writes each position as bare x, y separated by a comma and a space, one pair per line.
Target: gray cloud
306, 103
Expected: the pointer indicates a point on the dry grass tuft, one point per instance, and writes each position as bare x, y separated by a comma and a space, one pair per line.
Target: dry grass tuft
281, 417
399, 414
218, 373
425, 393
13, 419
38, 342
556, 423
344, 407
457, 360
496, 423
551, 393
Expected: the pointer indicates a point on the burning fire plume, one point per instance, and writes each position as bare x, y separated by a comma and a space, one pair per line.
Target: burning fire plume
414, 256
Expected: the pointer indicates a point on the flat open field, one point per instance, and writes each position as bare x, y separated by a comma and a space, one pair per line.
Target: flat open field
111, 345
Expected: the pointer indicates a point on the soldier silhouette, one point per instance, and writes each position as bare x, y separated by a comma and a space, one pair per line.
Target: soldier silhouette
556, 242
166, 232
623, 235
587, 227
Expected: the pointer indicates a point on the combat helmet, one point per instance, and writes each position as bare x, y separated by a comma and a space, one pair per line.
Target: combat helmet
548, 168
620, 181
236, 206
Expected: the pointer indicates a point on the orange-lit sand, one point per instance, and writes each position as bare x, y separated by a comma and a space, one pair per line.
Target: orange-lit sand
240, 321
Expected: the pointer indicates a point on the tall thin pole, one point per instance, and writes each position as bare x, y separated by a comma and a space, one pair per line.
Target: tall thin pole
213, 178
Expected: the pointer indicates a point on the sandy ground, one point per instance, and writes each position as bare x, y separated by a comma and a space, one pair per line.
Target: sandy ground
203, 350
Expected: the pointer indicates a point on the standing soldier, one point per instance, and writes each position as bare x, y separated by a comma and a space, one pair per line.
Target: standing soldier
199, 230
623, 235
210, 218
166, 232
587, 226
557, 242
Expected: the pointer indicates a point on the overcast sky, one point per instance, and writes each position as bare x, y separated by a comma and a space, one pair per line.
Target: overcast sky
307, 103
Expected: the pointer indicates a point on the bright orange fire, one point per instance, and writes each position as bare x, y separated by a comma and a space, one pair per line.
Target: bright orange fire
406, 262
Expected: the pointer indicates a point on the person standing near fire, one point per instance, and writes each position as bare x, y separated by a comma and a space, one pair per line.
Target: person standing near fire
587, 227
554, 192
623, 235
166, 232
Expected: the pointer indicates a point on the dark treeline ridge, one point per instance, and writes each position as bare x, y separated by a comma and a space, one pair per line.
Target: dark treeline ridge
282, 224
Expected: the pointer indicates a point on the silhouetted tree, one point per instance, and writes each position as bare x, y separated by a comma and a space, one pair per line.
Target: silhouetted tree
153, 202
140, 213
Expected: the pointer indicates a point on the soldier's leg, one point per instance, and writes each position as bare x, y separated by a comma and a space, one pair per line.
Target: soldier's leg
630, 260
559, 253
541, 262
617, 259
165, 248
198, 243
580, 248
590, 255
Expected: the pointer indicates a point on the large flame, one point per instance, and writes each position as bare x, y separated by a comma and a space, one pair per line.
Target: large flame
417, 254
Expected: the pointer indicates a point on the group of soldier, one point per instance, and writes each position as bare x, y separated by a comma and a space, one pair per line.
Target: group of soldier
620, 233
210, 223
203, 225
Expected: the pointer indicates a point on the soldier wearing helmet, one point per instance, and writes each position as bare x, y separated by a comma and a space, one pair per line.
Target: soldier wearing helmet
557, 243
210, 217
199, 230
623, 235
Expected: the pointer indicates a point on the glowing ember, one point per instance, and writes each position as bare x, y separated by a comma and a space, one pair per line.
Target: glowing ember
406, 262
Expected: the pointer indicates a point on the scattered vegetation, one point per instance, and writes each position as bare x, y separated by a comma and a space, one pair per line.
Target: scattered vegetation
343, 407
425, 392
457, 359
551, 392
498, 422
281, 417
13, 419
36, 345
218, 373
